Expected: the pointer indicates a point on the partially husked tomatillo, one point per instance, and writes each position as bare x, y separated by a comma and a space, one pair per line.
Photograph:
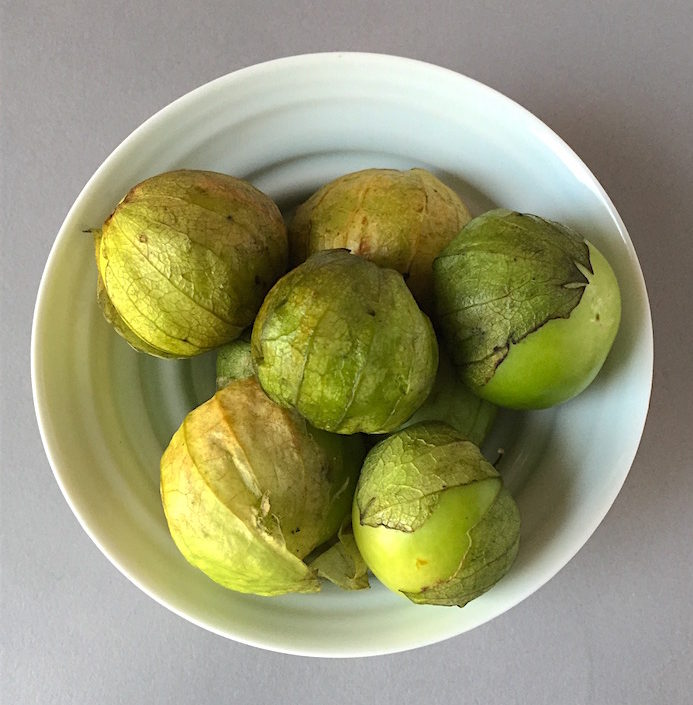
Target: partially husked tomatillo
527, 308
432, 518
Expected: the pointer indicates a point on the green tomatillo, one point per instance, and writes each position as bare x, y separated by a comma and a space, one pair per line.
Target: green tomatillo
527, 308
185, 260
234, 361
250, 489
397, 219
432, 518
343, 342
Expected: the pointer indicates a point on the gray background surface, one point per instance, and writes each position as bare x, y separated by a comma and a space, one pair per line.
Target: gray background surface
614, 79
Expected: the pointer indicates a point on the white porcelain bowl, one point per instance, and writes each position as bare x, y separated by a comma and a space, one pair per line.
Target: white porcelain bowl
288, 126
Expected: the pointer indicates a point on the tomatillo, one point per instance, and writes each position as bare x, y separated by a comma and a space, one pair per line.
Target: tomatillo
432, 518
528, 309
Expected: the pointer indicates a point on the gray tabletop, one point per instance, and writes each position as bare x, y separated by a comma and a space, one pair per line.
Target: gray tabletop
614, 80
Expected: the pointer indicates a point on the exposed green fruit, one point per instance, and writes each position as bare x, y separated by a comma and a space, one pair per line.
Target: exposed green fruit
185, 260
527, 308
431, 517
249, 489
343, 342
398, 219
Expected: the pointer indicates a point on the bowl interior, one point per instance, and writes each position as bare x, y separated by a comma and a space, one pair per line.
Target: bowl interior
106, 413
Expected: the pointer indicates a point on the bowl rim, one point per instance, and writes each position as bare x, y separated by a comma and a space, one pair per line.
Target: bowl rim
302, 62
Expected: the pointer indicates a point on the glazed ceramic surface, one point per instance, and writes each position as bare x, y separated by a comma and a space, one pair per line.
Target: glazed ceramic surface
106, 413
